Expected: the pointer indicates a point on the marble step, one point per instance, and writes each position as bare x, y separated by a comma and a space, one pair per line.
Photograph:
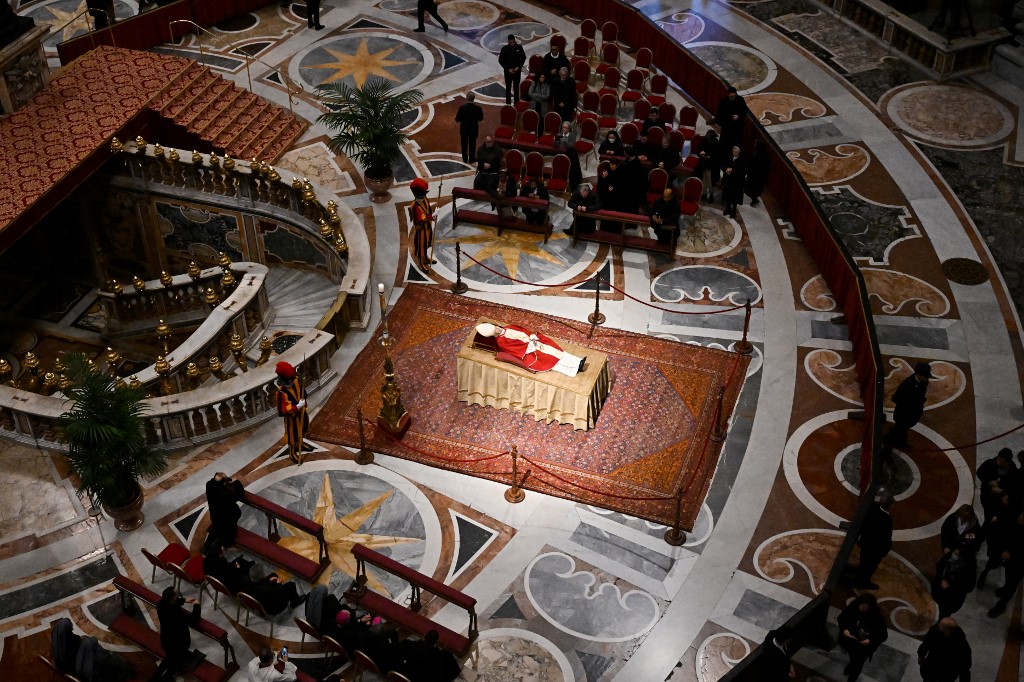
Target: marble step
299, 298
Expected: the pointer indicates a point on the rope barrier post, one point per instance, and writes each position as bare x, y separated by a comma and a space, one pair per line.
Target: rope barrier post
744, 347
718, 432
675, 535
597, 317
459, 287
364, 456
515, 494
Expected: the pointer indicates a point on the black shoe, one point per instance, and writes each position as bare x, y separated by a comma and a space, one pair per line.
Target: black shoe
446, 28
418, 30
309, 25
298, 600
433, 262
319, 27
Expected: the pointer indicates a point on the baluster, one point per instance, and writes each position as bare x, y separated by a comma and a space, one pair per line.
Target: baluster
198, 423
224, 412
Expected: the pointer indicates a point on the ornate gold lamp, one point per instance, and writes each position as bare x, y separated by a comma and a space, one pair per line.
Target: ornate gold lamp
392, 418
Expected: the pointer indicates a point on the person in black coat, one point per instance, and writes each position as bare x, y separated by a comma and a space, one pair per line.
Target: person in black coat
553, 63
961, 529
634, 182
610, 190
999, 468
776, 650
424, 661
909, 399
954, 579
945, 655
1012, 558
667, 158
274, 595
428, 7
535, 189
664, 216
732, 112
611, 145
563, 95
313, 15
233, 573
584, 200
468, 117
175, 635
875, 539
708, 168
512, 58
223, 495
734, 172
998, 530
861, 631
757, 172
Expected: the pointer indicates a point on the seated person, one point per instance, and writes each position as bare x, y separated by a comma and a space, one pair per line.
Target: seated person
223, 495
64, 645
610, 145
421, 660
668, 158
234, 573
274, 595
651, 121
535, 189
264, 668
96, 664
584, 200
664, 215
565, 139
509, 189
535, 352
322, 609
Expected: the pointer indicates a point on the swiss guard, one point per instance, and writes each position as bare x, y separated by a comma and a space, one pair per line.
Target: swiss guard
422, 224
291, 405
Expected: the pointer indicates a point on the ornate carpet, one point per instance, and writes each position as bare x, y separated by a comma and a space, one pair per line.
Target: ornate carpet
649, 444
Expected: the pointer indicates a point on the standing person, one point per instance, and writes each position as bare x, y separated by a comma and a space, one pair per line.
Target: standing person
954, 578
610, 191
291, 406
999, 527
945, 655
875, 539
222, 497
488, 164
707, 168
175, 636
422, 224
861, 631
731, 113
64, 645
776, 651
468, 117
512, 58
1012, 558
961, 529
424, 7
264, 668
554, 61
909, 399
313, 15
999, 468
757, 172
564, 96
664, 216
540, 94
733, 178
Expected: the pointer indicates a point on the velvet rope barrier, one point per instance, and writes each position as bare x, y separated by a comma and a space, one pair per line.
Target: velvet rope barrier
970, 445
677, 312
661, 498
431, 455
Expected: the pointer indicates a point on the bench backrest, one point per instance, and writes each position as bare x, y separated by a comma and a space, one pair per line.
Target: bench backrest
634, 218
147, 595
424, 582
283, 514
482, 195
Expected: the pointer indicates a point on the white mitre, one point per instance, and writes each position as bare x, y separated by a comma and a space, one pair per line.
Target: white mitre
487, 329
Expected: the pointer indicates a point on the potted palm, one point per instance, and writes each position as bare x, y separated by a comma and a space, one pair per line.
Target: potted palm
368, 121
107, 446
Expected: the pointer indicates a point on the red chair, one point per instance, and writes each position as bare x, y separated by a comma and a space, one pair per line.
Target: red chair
587, 141
589, 106
524, 102
335, 647
190, 572
534, 166
641, 110
654, 135
644, 60
581, 74
658, 89
612, 80
364, 664
306, 628
629, 133
588, 29
559, 41
634, 86
552, 126
688, 118
608, 112
689, 164
174, 553
676, 139
609, 58
609, 33
667, 114
514, 164
689, 205
559, 181
506, 129
218, 589
252, 605
530, 124
657, 181
536, 63
581, 48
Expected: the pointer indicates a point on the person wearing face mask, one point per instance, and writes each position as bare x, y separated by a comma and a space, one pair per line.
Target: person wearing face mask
291, 406
611, 145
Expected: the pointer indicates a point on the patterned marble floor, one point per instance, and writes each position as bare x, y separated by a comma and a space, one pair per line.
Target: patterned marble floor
911, 172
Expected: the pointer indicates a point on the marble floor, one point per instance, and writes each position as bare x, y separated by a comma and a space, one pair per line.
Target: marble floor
911, 172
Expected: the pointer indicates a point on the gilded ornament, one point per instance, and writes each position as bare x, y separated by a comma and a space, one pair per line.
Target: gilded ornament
113, 359
138, 283
213, 161
266, 348
5, 371
31, 362
166, 279
193, 270
163, 335
49, 383
140, 145
211, 297
227, 280
115, 287
116, 146
63, 383
158, 151
326, 231
133, 382
296, 184
173, 156
118, 384
273, 175
237, 348
229, 163
223, 260
197, 158
340, 245
162, 366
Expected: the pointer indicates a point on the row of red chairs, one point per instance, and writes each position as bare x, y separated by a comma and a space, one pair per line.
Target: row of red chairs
657, 181
555, 177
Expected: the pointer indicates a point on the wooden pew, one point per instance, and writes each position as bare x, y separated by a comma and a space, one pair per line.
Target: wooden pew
495, 219
408, 617
275, 553
149, 639
621, 238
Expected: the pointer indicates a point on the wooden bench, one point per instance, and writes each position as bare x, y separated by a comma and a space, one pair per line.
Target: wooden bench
496, 219
527, 147
621, 238
148, 639
275, 553
409, 618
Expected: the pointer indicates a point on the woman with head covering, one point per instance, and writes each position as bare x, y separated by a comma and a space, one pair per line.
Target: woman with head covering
64, 645
611, 145
96, 664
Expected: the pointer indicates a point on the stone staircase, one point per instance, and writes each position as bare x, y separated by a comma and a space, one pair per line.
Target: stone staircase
299, 298
232, 119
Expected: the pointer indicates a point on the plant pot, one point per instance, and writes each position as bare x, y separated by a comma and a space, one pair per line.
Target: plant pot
129, 517
379, 187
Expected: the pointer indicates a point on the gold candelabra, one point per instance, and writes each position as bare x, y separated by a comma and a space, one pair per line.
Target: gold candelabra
392, 418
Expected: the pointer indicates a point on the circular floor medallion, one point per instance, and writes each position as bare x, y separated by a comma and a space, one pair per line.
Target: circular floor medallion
965, 271
950, 115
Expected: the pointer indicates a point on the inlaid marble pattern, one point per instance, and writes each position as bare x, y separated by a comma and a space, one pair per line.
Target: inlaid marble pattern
783, 107
848, 51
822, 167
950, 114
33, 498
744, 68
869, 229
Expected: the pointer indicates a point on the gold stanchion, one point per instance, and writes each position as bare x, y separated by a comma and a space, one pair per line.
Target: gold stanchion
392, 418
364, 456
675, 535
719, 431
597, 317
459, 287
515, 494
744, 347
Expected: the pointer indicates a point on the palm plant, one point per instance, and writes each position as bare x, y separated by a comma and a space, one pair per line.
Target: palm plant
104, 431
368, 121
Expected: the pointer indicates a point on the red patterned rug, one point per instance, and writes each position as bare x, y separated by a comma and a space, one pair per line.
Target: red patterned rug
649, 445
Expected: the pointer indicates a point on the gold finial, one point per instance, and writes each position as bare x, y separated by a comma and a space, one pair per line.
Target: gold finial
215, 365
332, 213
31, 362
227, 280
273, 175
173, 156
133, 382
223, 260
118, 384
138, 283
264, 168
158, 151
237, 348
116, 146
163, 335
113, 359
162, 366
5, 371
296, 183
63, 383
192, 375
140, 145
166, 279
115, 287
266, 348
58, 364
229, 163
340, 245
307, 192
197, 158
211, 297
49, 383
326, 231
214, 161
193, 270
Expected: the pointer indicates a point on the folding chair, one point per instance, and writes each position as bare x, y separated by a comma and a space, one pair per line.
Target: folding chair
174, 553
552, 124
528, 129
506, 129
658, 89
612, 80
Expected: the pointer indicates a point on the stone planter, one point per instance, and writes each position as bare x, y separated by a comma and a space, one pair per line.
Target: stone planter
130, 516
379, 187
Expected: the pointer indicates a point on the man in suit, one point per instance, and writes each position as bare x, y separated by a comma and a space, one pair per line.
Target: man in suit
175, 636
875, 539
468, 117
223, 496
563, 95
664, 216
512, 58
313, 15
424, 7
734, 174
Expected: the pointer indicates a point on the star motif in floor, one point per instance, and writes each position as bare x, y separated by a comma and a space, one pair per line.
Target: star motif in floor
70, 22
341, 534
361, 65
510, 246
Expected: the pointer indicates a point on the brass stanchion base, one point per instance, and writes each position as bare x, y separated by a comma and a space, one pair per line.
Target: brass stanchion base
364, 456
596, 318
675, 537
515, 495
459, 288
397, 430
717, 436
743, 347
